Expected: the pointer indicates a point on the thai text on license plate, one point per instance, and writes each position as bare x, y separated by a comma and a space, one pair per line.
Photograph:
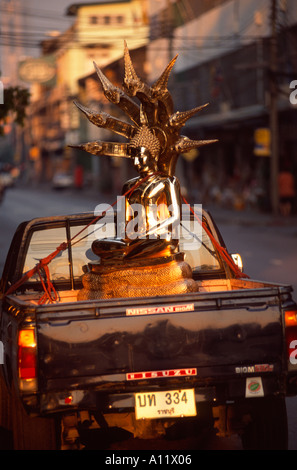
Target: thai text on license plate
169, 404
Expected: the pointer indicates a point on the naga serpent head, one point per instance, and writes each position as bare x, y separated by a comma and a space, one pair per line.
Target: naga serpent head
154, 125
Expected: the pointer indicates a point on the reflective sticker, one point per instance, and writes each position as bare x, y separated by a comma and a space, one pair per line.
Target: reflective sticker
164, 309
264, 368
254, 387
160, 373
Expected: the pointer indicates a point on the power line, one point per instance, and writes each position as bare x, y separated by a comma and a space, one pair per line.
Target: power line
44, 14
32, 38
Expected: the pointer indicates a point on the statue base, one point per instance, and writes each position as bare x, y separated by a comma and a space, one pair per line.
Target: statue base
157, 276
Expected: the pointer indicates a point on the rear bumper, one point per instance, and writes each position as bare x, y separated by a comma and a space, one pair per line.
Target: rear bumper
115, 399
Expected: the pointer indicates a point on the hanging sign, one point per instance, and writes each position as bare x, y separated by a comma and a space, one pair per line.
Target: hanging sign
262, 140
191, 155
41, 70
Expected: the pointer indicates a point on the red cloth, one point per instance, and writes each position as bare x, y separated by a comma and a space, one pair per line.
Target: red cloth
286, 184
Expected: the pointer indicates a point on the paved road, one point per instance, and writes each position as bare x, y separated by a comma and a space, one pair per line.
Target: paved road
268, 247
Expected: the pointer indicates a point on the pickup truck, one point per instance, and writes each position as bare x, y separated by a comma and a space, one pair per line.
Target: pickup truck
145, 367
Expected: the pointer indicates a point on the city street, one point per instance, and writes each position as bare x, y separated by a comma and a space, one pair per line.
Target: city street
267, 245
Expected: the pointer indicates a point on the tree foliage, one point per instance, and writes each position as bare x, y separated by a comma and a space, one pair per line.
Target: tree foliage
15, 102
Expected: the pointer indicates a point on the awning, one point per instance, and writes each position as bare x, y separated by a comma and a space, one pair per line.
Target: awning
230, 116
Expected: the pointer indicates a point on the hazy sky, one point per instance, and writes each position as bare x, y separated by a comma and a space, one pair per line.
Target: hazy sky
39, 17
45, 15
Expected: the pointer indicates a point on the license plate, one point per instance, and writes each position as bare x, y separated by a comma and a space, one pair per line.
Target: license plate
173, 403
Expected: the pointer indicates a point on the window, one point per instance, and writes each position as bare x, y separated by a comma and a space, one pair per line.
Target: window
45, 242
93, 20
42, 243
199, 251
106, 20
71, 263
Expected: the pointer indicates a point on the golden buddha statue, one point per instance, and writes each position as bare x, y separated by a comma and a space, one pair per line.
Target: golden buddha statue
154, 145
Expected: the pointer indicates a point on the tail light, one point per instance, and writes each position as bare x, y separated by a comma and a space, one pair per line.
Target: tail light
27, 360
291, 335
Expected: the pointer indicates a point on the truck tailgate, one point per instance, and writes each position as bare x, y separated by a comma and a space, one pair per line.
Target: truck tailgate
212, 332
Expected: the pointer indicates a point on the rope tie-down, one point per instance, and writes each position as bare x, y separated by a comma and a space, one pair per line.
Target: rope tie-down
222, 250
41, 268
42, 265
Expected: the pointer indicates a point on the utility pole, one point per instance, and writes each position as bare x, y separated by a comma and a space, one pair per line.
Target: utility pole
273, 112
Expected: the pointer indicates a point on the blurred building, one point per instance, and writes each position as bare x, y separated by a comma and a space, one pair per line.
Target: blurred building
11, 51
96, 35
225, 60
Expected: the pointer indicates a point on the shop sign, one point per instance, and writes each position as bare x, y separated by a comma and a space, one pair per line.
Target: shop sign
262, 142
191, 155
41, 70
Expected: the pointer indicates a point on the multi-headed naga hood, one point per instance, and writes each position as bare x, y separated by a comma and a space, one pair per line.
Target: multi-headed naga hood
155, 126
